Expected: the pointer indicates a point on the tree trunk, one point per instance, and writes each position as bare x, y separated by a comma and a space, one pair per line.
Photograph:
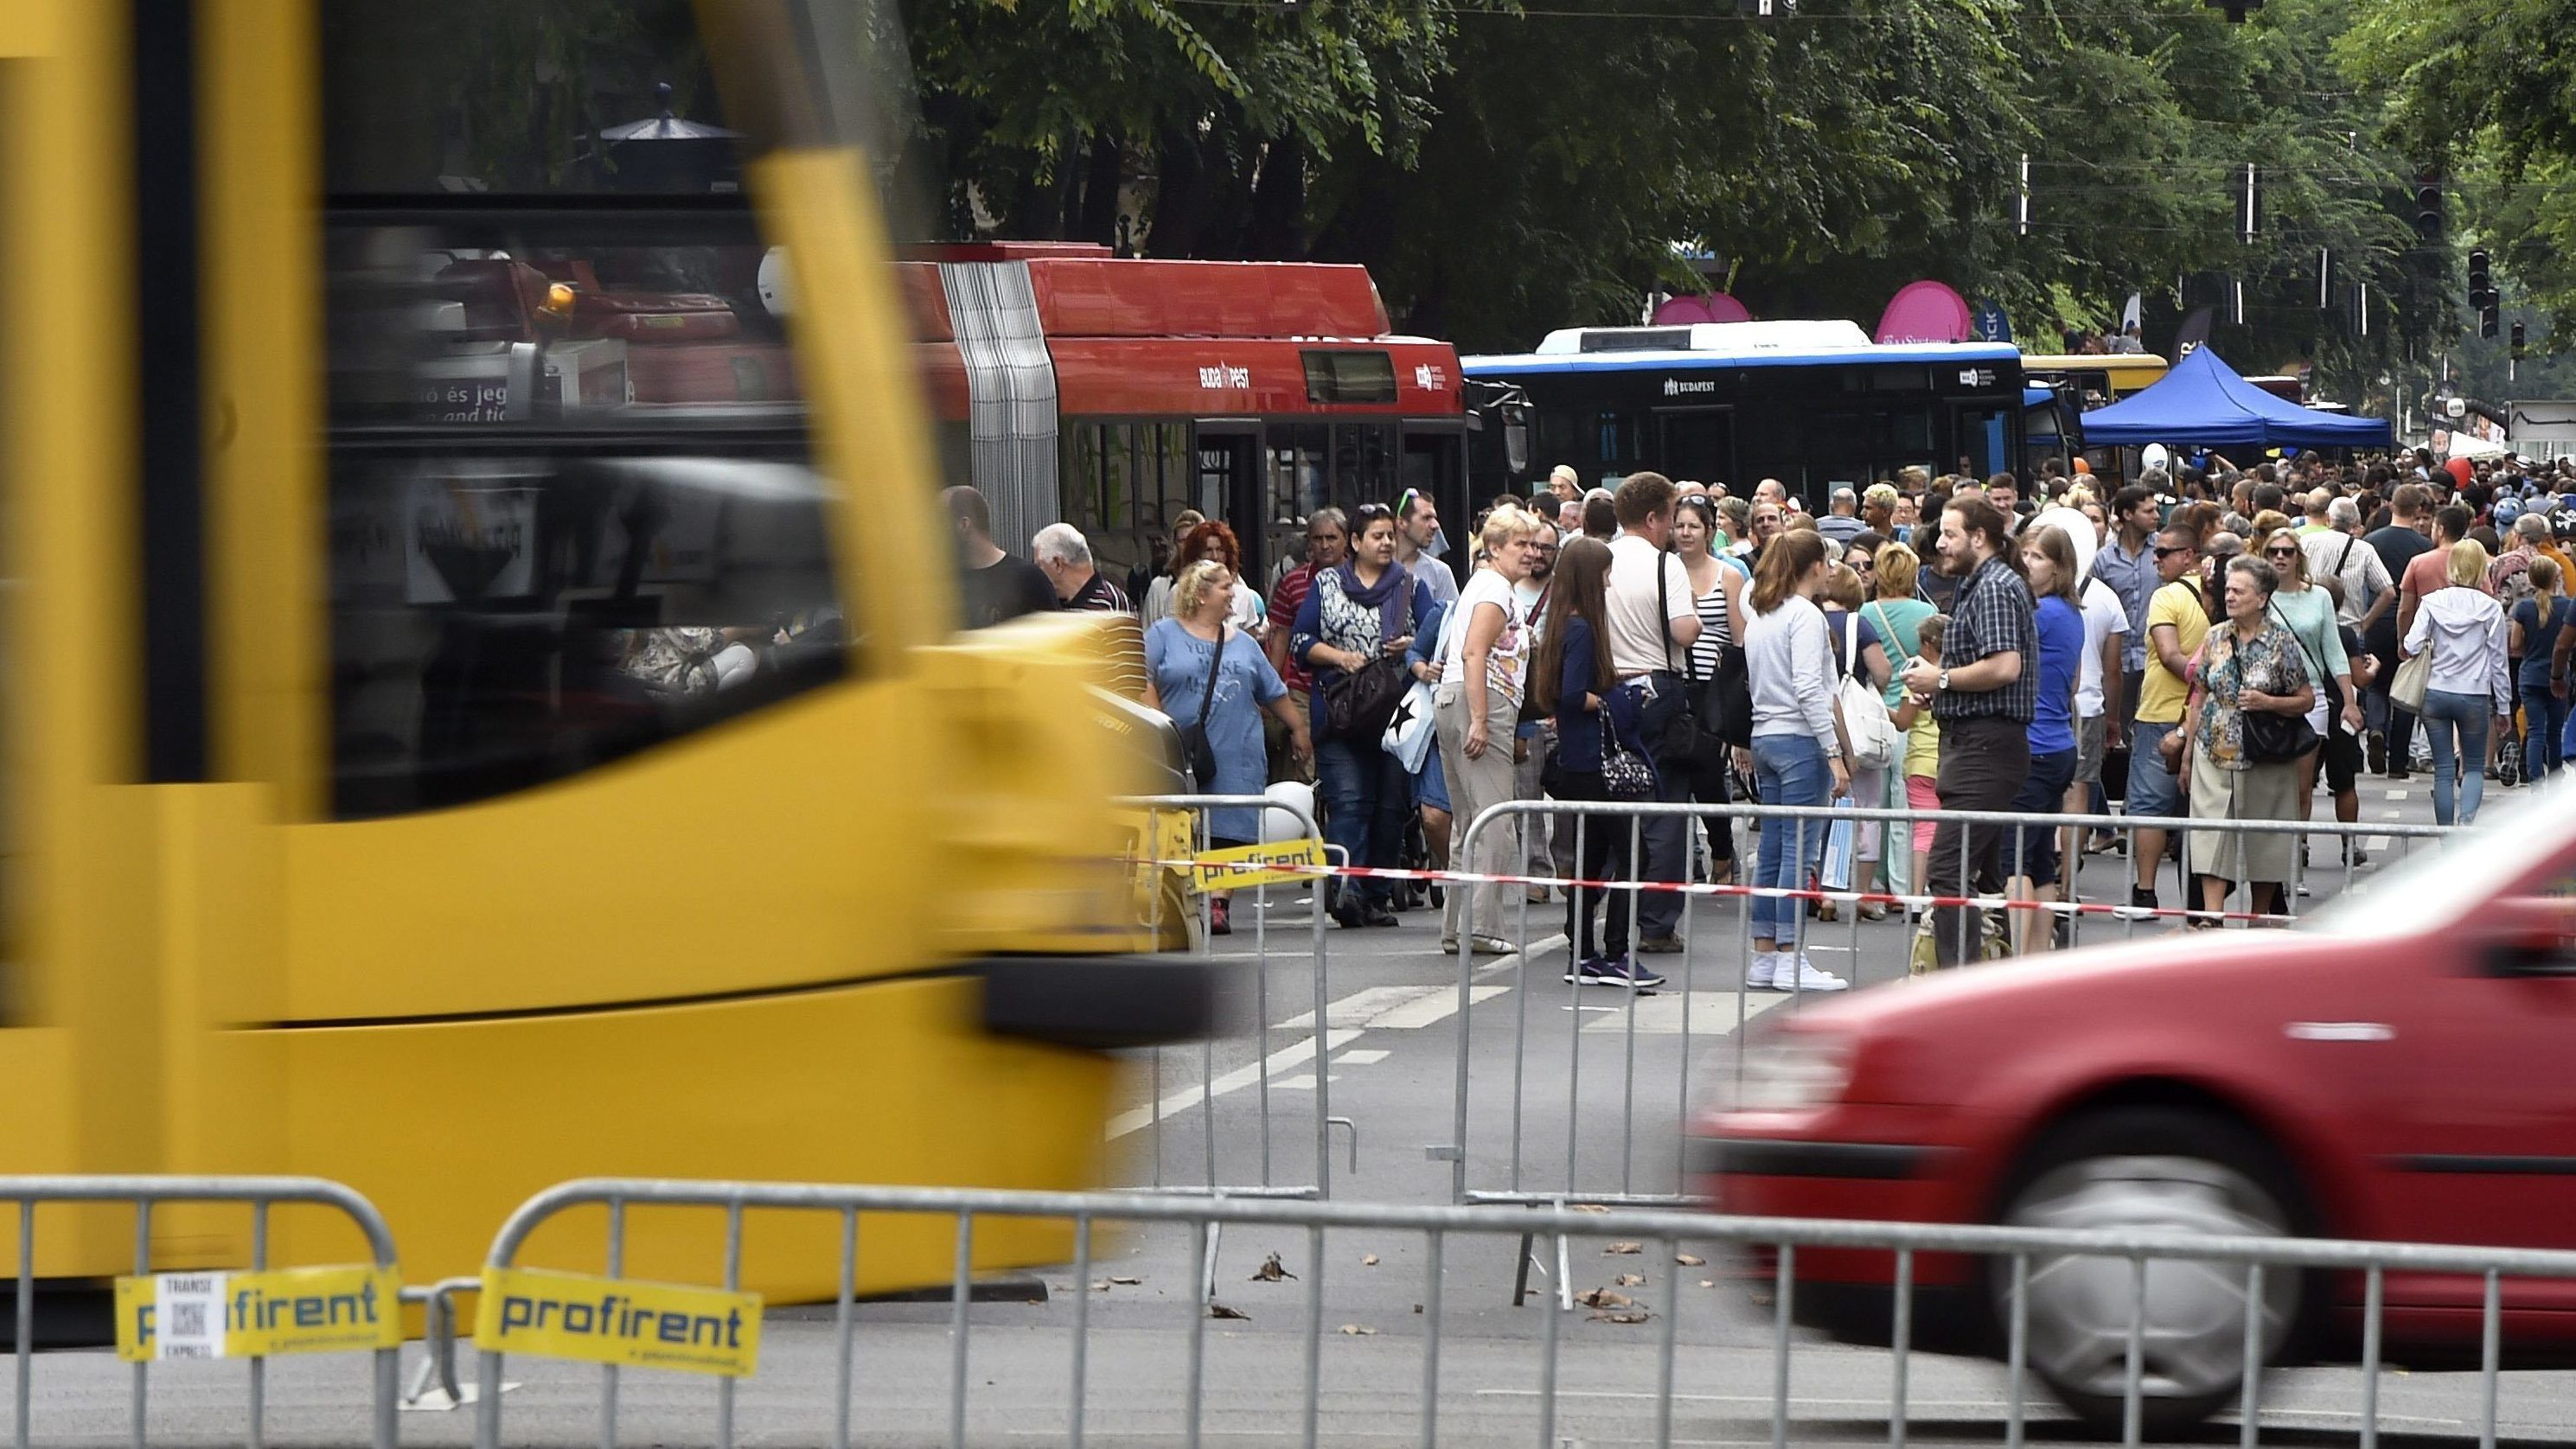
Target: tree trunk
1100, 185
1276, 230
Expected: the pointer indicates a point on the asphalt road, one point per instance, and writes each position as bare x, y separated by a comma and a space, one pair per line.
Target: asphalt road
1571, 1090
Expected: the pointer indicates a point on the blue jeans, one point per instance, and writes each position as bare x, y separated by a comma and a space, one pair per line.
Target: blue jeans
2544, 720
1365, 801
2469, 715
1792, 771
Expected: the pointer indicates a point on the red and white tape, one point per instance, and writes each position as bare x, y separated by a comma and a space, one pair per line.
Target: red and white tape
1706, 888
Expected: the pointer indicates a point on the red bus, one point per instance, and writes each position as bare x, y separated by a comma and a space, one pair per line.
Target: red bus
1113, 393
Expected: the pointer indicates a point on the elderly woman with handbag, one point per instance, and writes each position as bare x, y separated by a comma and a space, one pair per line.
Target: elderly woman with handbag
2247, 727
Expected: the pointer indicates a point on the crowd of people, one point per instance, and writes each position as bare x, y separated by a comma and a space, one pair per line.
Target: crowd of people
2206, 641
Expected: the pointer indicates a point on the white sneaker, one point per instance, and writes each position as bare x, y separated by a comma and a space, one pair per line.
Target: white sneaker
1757, 977
1795, 967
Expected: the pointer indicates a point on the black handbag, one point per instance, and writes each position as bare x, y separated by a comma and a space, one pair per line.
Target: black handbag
1194, 740
1716, 712
1358, 704
2276, 739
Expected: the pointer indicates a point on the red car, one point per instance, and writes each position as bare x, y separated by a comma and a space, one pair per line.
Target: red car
2400, 1068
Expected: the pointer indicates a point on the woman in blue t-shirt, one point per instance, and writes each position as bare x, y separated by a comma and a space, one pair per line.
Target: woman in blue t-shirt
2049, 558
2536, 625
1196, 659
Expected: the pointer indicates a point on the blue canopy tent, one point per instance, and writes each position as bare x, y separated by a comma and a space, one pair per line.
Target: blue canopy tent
2204, 402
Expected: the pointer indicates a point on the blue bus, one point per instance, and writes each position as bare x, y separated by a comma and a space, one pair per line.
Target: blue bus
1816, 405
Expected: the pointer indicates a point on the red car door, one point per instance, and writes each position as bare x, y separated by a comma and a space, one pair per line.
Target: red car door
2477, 1096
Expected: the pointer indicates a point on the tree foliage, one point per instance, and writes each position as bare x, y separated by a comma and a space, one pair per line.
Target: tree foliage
2486, 90
1505, 168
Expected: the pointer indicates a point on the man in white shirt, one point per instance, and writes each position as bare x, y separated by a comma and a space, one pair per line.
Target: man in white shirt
1652, 623
2340, 553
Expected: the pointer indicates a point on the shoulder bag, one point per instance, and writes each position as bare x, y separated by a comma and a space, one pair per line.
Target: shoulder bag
1625, 774
1721, 705
1194, 740
2413, 677
1865, 718
2271, 738
1359, 702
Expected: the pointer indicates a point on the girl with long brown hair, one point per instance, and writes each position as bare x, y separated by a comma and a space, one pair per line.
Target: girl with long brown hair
1570, 680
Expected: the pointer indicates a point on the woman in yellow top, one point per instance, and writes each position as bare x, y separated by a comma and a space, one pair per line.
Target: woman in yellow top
1922, 749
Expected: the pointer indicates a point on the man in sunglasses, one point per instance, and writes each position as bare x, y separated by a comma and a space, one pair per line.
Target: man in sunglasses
2177, 621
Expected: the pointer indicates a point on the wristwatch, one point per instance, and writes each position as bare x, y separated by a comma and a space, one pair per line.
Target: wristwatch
1942, 685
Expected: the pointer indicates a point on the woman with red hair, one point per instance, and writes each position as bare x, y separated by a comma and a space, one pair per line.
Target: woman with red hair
1210, 540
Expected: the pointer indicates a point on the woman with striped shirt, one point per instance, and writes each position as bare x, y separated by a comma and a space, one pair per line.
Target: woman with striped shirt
1717, 596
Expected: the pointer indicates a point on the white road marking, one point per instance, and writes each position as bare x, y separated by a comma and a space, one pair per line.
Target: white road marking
1392, 1008
2396, 794
2376, 842
1712, 1013
1361, 1057
1181, 1101
2392, 814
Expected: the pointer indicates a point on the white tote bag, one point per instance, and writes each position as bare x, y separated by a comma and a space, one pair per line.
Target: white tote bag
1865, 717
1409, 734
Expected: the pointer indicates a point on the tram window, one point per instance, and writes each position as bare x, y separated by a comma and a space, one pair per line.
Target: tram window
1349, 377
502, 617
1300, 467
1364, 462
543, 99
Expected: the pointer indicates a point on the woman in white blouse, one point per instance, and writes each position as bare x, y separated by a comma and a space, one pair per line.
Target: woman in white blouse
1798, 746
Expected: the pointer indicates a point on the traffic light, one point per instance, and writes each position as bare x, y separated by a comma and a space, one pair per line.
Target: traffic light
2482, 287
2488, 321
2428, 207
2519, 337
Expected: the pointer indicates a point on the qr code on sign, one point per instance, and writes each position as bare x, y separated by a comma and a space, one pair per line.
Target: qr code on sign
187, 1320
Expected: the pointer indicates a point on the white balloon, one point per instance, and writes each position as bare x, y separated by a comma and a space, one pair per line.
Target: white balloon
2153, 455
2079, 532
774, 291
1277, 824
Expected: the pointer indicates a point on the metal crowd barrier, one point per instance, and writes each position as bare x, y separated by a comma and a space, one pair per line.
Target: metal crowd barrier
987, 1374
1638, 1182
1267, 1182
145, 1193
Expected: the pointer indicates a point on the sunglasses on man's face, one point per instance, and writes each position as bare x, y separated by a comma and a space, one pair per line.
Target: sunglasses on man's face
2169, 552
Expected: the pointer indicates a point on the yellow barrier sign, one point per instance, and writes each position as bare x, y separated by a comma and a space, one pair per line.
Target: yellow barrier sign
616, 1321
1242, 866
257, 1315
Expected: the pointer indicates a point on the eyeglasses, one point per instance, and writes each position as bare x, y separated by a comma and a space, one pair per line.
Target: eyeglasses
1366, 512
2165, 552
2280, 553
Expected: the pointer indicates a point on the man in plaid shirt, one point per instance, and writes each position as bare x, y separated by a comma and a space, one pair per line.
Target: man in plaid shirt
1982, 692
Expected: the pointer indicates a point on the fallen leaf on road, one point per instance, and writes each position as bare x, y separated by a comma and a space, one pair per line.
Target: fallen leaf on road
1102, 1285
1603, 1298
1629, 1280
1708, 1282
1624, 1249
1591, 1207
1761, 1299
1369, 1262
1270, 1271
1631, 1315
1358, 1331
1219, 1310
1688, 1260
1417, 1308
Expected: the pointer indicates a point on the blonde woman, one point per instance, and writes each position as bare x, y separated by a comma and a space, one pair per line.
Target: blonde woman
1476, 708
2466, 632
1198, 658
